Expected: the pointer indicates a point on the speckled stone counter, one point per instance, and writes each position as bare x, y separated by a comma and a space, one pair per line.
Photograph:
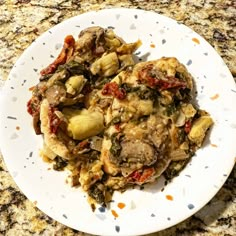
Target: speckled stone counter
23, 21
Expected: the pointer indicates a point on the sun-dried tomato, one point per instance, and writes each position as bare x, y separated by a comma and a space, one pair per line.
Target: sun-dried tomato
83, 144
54, 120
117, 127
33, 106
149, 76
69, 43
135, 176
141, 176
147, 173
187, 126
113, 89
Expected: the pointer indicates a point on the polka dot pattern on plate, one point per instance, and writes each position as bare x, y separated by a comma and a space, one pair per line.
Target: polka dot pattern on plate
146, 206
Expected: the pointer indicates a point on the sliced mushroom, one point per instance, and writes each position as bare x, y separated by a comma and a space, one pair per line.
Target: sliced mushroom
90, 43
96, 143
161, 165
39, 89
50, 139
90, 35
55, 94
137, 151
58, 76
67, 101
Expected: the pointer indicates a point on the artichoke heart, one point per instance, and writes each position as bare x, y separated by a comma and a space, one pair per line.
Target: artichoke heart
75, 84
106, 66
83, 123
199, 128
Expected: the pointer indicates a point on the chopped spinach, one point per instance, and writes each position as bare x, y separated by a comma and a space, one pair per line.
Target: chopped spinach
147, 93
59, 164
75, 68
97, 194
174, 168
180, 76
45, 77
183, 94
127, 87
93, 155
181, 135
171, 109
101, 82
115, 147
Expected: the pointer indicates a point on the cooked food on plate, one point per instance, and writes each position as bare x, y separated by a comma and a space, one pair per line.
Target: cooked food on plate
111, 122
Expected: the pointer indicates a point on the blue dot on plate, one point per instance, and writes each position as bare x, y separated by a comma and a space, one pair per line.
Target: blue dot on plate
189, 62
65, 216
102, 209
163, 41
117, 227
190, 206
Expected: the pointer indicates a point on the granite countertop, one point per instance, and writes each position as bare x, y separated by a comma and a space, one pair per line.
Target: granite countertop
22, 21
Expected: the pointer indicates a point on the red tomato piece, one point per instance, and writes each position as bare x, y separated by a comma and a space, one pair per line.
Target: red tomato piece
113, 89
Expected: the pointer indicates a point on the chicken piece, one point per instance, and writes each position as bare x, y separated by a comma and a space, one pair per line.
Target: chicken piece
116, 182
162, 74
108, 166
51, 140
90, 173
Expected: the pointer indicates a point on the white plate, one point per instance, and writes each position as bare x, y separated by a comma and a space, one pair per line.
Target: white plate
145, 210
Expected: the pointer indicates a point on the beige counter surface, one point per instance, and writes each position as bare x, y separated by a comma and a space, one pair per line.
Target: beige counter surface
23, 21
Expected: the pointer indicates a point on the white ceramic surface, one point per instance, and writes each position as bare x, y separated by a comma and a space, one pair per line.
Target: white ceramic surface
146, 210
